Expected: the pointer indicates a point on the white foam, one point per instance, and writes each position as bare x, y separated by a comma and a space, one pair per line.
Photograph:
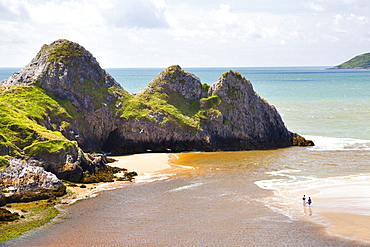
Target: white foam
348, 193
334, 143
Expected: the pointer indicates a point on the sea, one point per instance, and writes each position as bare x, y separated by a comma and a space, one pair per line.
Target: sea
248, 198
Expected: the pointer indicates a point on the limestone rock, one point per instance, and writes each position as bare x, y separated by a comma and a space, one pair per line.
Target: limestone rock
6, 215
27, 181
230, 116
243, 116
69, 162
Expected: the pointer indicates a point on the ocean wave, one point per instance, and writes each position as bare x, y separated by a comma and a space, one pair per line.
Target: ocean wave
151, 177
338, 144
293, 183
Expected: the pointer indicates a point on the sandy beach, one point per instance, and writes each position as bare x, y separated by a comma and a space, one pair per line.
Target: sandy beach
141, 163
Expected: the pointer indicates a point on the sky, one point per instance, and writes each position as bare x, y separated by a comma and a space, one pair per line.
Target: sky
192, 33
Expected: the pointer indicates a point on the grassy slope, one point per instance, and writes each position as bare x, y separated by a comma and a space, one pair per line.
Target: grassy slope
21, 111
175, 108
360, 61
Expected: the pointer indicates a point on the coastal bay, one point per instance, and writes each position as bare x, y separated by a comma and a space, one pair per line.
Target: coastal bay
334, 117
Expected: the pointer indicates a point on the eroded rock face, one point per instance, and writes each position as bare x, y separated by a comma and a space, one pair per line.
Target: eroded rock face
27, 181
244, 117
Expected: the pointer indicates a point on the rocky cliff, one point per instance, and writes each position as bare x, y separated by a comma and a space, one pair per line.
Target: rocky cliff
64, 104
176, 112
73, 77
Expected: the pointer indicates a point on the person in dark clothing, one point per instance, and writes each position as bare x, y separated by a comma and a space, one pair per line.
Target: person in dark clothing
309, 201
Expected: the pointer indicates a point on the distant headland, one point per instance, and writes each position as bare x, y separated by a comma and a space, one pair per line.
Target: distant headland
358, 62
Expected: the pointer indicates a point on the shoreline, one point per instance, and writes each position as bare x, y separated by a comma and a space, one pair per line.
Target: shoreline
348, 225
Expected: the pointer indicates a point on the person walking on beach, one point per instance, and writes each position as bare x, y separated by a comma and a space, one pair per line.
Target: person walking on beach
304, 200
309, 201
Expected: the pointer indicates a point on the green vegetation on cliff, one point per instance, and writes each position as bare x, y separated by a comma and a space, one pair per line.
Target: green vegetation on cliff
360, 61
43, 148
63, 51
23, 110
170, 106
3, 162
237, 74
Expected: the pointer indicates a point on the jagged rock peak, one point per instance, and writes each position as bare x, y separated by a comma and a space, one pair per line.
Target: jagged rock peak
63, 61
232, 86
250, 116
175, 79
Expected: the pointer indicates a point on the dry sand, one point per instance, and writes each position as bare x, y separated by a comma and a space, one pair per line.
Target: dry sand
140, 163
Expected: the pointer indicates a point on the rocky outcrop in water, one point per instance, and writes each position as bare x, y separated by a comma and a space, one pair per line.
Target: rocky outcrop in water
185, 115
244, 118
64, 104
174, 112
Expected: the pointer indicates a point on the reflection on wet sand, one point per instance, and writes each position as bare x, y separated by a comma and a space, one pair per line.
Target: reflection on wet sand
307, 210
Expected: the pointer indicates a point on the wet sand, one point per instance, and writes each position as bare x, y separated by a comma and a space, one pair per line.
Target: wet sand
352, 226
343, 210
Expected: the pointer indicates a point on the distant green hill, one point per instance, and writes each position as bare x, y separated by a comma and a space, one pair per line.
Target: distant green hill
358, 62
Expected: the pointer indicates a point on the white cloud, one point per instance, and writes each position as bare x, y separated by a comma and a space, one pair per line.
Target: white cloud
13, 10
137, 13
314, 6
164, 32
